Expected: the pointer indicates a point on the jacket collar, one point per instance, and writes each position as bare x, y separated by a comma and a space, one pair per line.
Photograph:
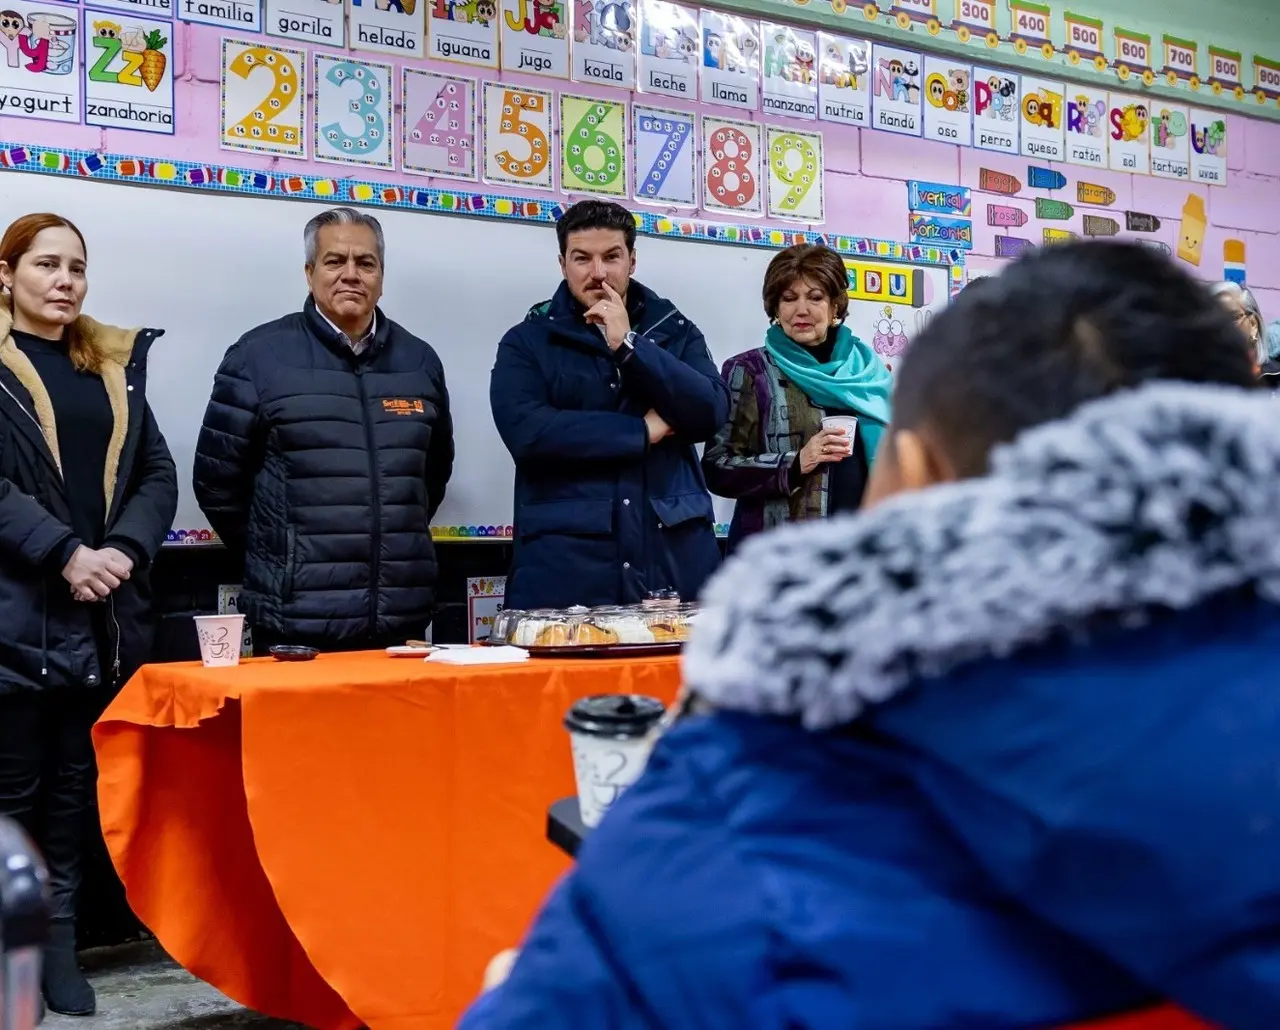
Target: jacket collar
329, 335
118, 348
1155, 499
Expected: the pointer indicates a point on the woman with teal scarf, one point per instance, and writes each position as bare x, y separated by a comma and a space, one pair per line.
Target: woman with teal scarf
773, 455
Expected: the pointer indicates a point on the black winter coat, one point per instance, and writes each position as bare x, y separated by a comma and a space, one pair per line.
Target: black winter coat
46, 637
323, 470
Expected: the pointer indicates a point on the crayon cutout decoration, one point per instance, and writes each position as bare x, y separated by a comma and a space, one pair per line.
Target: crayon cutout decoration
1005, 217
1045, 178
1012, 246
1096, 225
1233, 261
1099, 196
1059, 236
1191, 235
1053, 210
1157, 245
991, 181
1136, 221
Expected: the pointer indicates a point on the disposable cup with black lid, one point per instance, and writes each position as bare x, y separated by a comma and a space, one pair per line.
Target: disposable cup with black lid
611, 736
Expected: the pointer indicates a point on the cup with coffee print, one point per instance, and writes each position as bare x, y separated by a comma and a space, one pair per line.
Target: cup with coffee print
848, 423
611, 736
220, 638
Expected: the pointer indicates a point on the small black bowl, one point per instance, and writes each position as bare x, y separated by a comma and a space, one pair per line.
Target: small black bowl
293, 653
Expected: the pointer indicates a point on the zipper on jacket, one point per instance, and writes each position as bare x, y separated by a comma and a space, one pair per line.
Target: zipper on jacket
115, 640
375, 565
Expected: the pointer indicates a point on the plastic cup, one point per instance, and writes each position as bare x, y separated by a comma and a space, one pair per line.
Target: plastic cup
611, 736
220, 637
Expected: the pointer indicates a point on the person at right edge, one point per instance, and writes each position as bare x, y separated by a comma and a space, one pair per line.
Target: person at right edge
325, 451
1001, 750
600, 395
88, 492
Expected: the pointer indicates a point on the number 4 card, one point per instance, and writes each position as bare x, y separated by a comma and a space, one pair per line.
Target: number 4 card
731, 167
263, 108
353, 111
795, 175
517, 136
665, 154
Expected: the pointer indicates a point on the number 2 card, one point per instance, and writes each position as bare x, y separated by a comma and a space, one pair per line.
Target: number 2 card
264, 99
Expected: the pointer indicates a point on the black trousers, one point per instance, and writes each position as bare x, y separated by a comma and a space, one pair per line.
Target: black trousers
47, 778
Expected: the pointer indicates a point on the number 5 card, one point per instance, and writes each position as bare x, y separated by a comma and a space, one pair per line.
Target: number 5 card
264, 104
517, 136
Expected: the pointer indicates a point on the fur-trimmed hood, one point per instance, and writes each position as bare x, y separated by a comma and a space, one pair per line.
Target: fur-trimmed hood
116, 346
1155, 499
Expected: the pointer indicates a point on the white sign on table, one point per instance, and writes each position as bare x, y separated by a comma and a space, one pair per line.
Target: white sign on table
485, 596
229, 604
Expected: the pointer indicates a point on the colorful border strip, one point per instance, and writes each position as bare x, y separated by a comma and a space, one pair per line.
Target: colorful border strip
451, 534
190, 175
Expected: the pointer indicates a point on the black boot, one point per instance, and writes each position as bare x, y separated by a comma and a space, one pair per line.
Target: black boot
65, 988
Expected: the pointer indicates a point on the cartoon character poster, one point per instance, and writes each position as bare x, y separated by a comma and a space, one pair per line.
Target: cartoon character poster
535, 37
463, 31
730, 61
1128, 124
948, 101
39, 77
1208, 147
1043, 119
312, 21
128, 81
996, 110
1170, 140
669, 51
604, 42
1086, 128
790, 76
844, 81
895, 90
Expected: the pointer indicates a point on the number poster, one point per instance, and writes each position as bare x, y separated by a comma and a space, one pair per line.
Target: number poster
665, 170
263, 107
353, 111
517, 136
731, 166
439, 115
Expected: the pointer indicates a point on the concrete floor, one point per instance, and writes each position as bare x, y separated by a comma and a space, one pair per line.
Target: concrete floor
140, 988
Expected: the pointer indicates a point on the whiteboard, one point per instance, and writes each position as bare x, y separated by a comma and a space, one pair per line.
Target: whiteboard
207, 267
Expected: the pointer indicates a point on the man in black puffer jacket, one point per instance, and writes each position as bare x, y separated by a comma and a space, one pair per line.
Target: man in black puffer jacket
324, 454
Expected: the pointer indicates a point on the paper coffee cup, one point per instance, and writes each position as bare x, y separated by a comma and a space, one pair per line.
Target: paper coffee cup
220, 637
846, 422
611, 736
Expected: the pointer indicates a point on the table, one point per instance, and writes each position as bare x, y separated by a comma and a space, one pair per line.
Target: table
348, 840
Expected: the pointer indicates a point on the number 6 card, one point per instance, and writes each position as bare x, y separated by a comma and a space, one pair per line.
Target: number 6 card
264, 104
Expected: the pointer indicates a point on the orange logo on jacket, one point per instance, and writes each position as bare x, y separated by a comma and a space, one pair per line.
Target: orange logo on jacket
402, 407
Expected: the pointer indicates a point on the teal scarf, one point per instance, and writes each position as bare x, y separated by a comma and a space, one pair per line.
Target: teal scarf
855, 379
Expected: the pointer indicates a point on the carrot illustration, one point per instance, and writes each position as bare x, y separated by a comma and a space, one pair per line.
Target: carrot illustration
153, 60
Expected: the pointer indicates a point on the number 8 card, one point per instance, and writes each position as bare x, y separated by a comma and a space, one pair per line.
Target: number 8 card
731, 167
264, 98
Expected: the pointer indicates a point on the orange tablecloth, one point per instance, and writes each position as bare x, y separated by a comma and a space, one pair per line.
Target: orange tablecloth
347, 840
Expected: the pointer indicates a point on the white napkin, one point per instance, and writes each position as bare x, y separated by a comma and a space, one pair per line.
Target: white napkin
479, 656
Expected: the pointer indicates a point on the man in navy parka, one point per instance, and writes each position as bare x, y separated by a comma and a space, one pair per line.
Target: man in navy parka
600, 395
1001, 751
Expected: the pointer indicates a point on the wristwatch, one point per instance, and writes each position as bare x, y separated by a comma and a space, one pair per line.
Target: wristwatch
626, 348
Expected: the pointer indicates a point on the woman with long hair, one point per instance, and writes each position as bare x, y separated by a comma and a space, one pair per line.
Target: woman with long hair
88, 491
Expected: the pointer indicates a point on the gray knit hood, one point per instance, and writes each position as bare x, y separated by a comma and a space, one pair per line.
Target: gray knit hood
1158, 498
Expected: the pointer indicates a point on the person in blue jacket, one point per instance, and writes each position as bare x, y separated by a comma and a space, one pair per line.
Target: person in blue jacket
1000, 751
600, 395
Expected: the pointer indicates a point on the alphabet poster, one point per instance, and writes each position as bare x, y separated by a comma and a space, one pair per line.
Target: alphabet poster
386, 26
353, 111
1208, 147
895, 90
669, 52
594, 135
463, 31
1127, 122
995, 110
1171, 141
1086, 130
128, 72
731, 166
1042, 119
665, 156
795, 175
947, 94
439, 136
790, 76
40, 77
730, 61
264, 107
312, 21
535, 37
518, 127
604, 42
844, 84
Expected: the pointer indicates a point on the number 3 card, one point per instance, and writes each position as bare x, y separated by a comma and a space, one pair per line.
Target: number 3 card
517, 136
264, 106
352, 111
